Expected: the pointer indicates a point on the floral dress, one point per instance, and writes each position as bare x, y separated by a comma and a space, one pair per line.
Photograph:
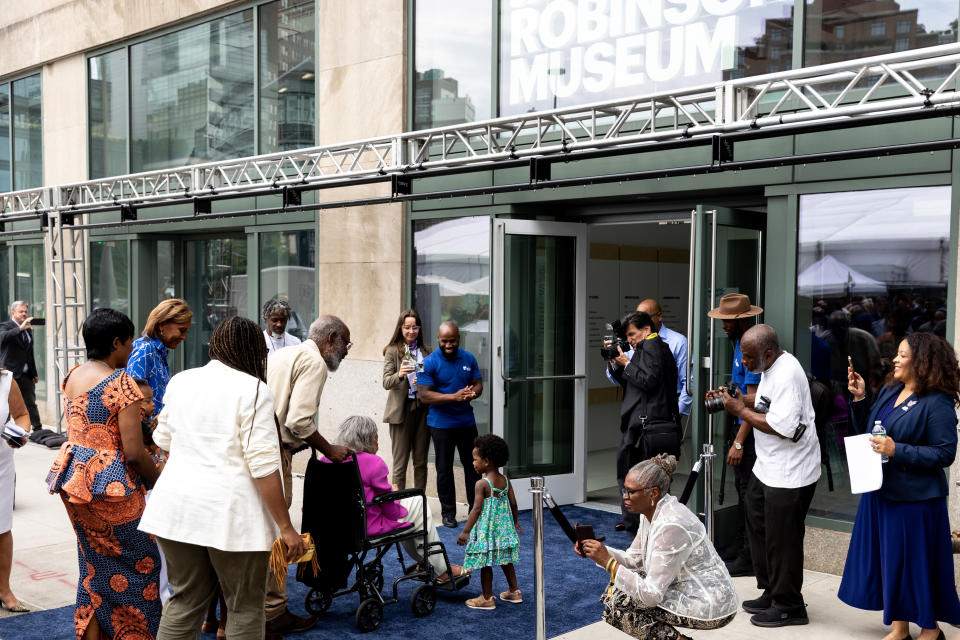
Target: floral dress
493, 539
104, 499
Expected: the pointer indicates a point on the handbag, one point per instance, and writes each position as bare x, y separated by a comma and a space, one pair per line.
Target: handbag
657, 436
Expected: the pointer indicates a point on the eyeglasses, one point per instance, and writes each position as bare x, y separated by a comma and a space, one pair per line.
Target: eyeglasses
627, 493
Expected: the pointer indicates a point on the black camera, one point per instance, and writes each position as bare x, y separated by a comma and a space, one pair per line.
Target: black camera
617, 338
715, 404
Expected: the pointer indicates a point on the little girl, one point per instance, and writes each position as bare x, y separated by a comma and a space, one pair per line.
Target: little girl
492, 527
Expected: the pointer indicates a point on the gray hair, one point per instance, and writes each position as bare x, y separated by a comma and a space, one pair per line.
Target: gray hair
325, 327
358, 433
655, 472
16, 304
763, 337
276, 305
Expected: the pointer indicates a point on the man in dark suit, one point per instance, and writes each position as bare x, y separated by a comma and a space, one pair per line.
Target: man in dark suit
649, 381
16, 355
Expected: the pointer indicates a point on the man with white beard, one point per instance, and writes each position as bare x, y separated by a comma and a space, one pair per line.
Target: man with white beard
296, 376
276, 314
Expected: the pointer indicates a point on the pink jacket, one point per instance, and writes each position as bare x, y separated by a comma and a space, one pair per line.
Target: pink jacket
374, 472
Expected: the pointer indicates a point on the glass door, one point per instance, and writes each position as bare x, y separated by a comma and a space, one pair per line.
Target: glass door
727, 248
539, 378
215, 287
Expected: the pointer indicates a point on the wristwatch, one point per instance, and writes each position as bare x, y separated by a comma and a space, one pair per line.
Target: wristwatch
738, 446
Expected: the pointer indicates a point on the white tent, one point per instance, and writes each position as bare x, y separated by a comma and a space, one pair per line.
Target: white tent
829, 277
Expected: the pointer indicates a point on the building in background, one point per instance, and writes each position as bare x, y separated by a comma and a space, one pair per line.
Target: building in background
530, 276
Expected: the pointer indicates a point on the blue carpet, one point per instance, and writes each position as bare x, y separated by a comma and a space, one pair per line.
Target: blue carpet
573, 587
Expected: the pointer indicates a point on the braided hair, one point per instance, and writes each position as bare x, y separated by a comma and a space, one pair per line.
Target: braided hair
238, 343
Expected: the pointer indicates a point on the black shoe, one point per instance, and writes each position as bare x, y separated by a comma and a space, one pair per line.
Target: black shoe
620, 526
758, 605
740, 567
774, 617
450, 521
39, 434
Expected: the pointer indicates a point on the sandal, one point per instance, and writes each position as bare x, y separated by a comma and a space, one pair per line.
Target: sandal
17, 608
463, 572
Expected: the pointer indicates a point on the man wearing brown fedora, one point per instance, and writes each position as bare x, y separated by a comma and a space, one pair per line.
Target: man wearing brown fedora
738, 315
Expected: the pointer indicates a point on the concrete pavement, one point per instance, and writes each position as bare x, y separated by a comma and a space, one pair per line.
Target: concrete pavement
45, 572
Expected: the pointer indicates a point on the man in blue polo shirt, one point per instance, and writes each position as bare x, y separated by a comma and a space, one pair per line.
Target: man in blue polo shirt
449, 381
738, 315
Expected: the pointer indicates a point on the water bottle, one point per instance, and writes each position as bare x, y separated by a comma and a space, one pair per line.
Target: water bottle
880, 432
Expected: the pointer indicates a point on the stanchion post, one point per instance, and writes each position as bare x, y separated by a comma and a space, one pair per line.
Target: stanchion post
707, 458
536, 489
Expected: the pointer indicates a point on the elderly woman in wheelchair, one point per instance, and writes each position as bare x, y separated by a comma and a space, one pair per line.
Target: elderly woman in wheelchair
360, 434
356, 519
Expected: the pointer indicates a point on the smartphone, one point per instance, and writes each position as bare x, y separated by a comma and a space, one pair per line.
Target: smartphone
38, 322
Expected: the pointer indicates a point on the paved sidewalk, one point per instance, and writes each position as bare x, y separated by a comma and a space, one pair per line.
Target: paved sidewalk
44, 574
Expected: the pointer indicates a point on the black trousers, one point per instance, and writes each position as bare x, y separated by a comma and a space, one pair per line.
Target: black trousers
775, 530
741, 478
29, 392
445, 441
627, 456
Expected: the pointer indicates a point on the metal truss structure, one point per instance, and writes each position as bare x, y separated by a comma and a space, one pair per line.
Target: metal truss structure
893, 85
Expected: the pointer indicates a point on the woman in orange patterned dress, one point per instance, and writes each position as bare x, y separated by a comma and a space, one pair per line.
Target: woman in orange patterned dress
102, 474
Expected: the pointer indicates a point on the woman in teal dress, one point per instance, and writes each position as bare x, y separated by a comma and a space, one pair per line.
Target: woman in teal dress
491, 530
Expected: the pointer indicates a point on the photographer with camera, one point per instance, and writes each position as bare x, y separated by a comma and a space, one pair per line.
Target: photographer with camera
737, 315
784, 476
649, 415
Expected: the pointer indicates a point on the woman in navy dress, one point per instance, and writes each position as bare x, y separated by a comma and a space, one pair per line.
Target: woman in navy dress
900, 557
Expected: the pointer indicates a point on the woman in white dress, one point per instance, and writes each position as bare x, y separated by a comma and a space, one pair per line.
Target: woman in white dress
12, 408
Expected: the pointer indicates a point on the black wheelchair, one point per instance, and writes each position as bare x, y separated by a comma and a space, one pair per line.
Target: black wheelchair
335, 514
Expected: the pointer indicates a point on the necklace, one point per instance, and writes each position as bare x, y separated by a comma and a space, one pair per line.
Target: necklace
283, 341
97, 360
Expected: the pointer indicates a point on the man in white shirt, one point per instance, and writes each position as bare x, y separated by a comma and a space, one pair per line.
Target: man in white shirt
276, 314
784, 476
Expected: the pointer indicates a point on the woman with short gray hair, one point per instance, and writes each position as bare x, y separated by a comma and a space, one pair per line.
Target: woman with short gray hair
671, 576
360, 434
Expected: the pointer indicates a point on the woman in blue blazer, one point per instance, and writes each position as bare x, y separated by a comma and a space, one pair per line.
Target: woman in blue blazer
900, 557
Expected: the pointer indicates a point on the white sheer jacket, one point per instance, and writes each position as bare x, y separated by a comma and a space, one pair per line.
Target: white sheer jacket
672, 564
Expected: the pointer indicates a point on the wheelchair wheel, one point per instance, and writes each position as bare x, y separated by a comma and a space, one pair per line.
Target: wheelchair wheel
373, 574
369, 615
317, 601
423, 600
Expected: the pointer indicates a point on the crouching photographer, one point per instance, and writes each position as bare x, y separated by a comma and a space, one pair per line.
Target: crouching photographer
649, 415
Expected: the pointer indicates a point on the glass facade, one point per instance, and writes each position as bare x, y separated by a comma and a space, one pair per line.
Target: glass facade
215, 287
288, 106
838, 30
110, 275
30, 286
21, 134
288, 271
191, 96
865, 280
4, 137
453, 57
452, 259
107, 113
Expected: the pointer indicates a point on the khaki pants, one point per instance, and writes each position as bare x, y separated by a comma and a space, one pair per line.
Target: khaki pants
412, 436
276, 600
415, 507
194, 572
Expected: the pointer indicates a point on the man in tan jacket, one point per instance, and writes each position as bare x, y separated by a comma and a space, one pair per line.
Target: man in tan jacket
296, 376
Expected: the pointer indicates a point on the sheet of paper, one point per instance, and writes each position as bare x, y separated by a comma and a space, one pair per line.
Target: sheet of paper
866, 470
13, 430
